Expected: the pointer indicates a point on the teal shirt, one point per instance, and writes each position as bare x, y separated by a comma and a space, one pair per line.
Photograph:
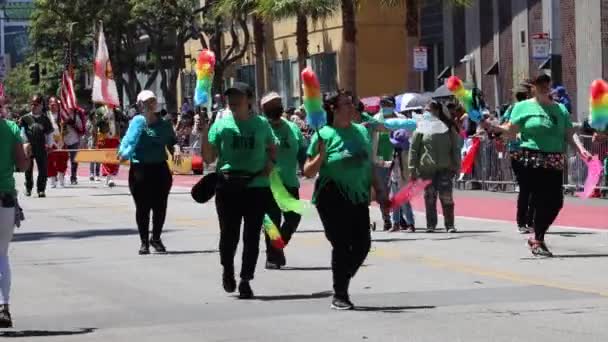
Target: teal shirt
153, 143
291, 142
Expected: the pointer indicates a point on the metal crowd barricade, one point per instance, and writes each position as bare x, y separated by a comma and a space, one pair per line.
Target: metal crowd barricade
493, 172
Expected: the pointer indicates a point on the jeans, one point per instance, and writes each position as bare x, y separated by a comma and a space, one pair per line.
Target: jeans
73, 164
405, 212
384, 177
442, 186
95, 169
150, 185
41, 159
235, 205
347, 229
287, 227
525, 210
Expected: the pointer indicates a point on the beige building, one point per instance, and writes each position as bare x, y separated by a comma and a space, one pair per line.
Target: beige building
381, 55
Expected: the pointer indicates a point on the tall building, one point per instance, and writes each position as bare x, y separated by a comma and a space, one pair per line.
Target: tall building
14, 20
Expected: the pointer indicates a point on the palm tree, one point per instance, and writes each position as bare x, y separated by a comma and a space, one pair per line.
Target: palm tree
302, 10
349, 36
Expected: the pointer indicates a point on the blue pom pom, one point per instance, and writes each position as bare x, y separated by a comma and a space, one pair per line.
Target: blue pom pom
201, 97
131, 138
475, 115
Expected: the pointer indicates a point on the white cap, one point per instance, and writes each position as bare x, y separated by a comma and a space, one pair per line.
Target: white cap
145, 95
269, 97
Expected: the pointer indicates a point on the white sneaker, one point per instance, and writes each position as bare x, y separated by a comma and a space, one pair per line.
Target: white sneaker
53, 182
110, 182
97, 179
61, 178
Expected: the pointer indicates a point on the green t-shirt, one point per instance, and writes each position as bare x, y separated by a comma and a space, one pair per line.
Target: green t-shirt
242, 145
153, 143
10, 135
543, 127
290, 142
348, 162
385, 148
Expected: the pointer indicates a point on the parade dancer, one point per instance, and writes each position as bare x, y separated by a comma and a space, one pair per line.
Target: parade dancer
36, 130
291, 141
12, 155
57, 158
150, 180
546, 129
341, 154
108, 138
244, 146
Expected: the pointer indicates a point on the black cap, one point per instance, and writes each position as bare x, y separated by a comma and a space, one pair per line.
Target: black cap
387, 101
239, 88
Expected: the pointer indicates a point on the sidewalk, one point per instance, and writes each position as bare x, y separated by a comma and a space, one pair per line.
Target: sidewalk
577, 213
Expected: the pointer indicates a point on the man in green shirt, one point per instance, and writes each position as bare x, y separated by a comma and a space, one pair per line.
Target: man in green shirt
291, 142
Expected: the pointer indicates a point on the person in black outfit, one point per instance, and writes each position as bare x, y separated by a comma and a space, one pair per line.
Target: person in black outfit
36, 129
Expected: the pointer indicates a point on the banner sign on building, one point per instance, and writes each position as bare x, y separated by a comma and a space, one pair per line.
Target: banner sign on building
421, 59
541, 46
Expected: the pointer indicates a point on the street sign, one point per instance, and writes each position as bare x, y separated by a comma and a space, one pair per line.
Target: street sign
541, 46
421, 59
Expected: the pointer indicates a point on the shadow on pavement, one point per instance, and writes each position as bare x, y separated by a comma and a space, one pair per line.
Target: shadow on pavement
392, 309
317, 295
309, 231
574, 256
45, 333
392, 240
313, 268
570, 234
74, 235
210, 251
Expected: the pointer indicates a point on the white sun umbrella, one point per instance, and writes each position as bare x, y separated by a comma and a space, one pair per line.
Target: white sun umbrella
410, 101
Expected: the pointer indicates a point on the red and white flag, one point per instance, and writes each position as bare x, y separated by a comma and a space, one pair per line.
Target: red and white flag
104, 86
68, 97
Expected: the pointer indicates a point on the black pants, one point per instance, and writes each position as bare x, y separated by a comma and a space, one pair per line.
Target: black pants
73, 163
234, 205
41, 158
547, 196
287, 222
150, 185
525, 210
347, 229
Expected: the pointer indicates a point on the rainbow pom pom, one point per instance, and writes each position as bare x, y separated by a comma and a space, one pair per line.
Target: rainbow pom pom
465, 97
598, 113
273, 233
313, 102
205, 68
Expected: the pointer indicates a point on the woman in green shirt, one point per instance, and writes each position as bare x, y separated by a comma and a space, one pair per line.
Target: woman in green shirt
341, 154
545, 128
12, 155
150, 179
291, 142
244, 146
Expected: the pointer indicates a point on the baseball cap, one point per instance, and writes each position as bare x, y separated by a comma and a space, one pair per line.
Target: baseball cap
145, 95
239, 88
270, 97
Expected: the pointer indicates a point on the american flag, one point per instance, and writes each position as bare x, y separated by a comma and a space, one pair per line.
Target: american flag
1, 90
68, 97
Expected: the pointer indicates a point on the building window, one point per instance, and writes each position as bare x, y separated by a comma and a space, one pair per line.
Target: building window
188, 83
282, 81
325, 66
246, 74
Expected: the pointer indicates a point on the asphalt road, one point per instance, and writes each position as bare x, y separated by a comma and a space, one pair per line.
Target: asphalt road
77, 277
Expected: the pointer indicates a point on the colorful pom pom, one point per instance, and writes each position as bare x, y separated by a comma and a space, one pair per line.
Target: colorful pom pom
598, 113
205, 68
313, 103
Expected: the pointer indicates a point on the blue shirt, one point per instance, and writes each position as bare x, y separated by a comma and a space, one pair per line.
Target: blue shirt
153, 143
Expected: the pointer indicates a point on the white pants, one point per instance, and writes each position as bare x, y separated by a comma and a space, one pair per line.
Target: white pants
7, 227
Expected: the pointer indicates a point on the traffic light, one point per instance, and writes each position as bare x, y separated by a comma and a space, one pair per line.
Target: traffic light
34, 74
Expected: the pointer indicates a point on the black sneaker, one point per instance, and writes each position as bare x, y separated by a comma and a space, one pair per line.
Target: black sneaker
5, 318
430, 229
74, 182
228, 281
158, 246
272, 265
41, 194
144, 249
451, 230
245, 291
28, 193
387, 225
341, 303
